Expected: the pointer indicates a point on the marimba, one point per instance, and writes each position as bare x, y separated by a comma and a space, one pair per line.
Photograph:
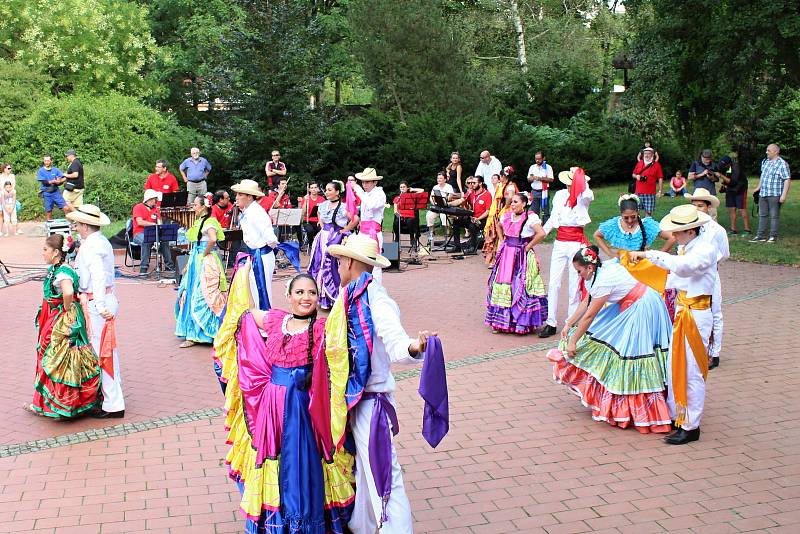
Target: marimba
182, 215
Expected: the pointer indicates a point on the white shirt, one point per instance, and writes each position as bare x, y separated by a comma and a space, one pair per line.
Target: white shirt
487, 170
694, 272
372, 204
445, 189
257, 227
390, 344
95, 266
563, 215
527, 230
614, 281
718, 237
537, 171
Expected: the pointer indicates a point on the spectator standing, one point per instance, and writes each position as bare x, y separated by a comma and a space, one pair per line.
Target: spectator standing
75, 185
703, 172
647, 173
6, 176
454, 170
735, 183
275, 168
194, 171
51, 179
162, 181
8, 210
540, 176
488, 166
773, 189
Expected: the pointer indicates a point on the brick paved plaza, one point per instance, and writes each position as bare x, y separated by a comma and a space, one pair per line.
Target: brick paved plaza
522, 454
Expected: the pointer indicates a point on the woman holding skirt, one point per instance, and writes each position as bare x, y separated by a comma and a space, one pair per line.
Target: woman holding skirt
282, 399
201, 295
67, 381
336, 225
517, 300
613, 350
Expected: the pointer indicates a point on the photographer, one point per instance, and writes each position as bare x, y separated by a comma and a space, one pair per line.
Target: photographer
703, 172
647, 174
735, 184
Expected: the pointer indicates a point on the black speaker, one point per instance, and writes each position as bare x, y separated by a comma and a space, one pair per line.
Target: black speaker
392, 253
180, 261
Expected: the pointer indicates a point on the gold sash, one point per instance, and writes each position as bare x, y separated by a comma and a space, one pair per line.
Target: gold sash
685, 329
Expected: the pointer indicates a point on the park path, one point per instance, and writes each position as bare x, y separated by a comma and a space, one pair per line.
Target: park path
522, 455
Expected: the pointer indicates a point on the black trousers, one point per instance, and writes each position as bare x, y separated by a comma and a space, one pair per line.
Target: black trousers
410, 226
311, 229
466, 223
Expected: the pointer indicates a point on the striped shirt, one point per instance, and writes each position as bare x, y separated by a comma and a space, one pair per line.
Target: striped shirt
773, 173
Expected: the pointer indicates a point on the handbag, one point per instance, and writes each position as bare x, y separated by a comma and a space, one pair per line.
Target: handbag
51, 188
69, 186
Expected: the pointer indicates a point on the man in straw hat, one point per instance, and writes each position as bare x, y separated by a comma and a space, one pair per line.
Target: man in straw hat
373, 202
367, 321
704, 201
260, 240
692, 273
95, 266
570, 214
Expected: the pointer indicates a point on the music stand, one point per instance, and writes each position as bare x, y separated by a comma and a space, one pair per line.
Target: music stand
410, 202
440, 201
286, 217
156, 234
178, 199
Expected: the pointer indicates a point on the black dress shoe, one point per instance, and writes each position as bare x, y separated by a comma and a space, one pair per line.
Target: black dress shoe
681, 436
102, 414
547, 331
714, 363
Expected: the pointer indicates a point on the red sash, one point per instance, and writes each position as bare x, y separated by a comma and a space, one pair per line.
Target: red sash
632, 296
571, 233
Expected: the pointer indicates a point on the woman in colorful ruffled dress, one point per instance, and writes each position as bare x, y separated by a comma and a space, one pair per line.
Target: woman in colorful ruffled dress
613, 350
517, 300
284, 399
336, 224
628, 232
504, 190
67, 381
201, 295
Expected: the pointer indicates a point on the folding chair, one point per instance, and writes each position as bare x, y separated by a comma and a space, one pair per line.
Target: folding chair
132, 250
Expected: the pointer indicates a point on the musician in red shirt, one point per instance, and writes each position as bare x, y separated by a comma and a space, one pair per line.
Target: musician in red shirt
309, 205
162, 181
407, 218
222, 210
479, 200
146, 213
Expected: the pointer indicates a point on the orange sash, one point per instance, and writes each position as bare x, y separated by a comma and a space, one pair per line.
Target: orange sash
645, 271
108, 344
685, 329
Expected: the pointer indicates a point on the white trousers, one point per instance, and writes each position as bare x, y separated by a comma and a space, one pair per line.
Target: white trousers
560, 259
716, 310
695, 384
377, 272
368, 504
430, 219
113, 401
269, 269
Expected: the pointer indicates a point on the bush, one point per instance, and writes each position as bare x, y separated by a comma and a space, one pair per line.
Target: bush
20, 88
113, 129
114, 188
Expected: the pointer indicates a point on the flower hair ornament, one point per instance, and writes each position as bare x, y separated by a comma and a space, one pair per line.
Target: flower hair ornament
623, 198
508, 170
589, 256
68, 242
208, 200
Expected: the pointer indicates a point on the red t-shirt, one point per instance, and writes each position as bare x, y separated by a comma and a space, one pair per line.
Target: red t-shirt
481, 203
653, 174
269, 201
147, 214
223, 215
167, 184
312, 203
469, 199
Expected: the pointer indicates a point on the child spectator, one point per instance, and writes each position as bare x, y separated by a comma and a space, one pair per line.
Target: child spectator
9, 201
677, 186
647, 144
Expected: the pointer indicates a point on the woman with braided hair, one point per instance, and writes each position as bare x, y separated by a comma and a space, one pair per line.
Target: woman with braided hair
517, 300
629, 231
201, 295
613, 349
280, 397
67, 381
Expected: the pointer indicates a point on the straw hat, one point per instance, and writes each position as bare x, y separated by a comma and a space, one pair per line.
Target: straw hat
565, 177
368, 175
248, 187
360, 247
151, 193
704, 194
89, 214
683, 217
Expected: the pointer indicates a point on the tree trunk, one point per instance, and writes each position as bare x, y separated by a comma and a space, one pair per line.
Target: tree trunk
337, 99
521, 52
